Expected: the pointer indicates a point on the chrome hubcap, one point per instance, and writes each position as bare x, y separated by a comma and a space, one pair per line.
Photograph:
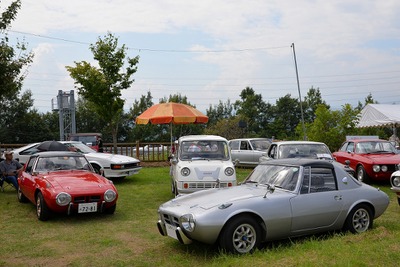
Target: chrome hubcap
244, 238
361, 220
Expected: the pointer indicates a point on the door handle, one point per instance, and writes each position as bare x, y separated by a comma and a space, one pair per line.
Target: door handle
338, 197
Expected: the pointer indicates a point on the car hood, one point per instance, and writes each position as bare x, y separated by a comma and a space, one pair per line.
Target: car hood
207, 199
111, 157
384, 158
77, 181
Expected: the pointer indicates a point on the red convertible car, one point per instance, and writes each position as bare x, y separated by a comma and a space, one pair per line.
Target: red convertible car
65, 182
373, 159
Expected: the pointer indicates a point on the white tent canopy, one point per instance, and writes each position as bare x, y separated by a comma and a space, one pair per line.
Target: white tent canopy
376, 115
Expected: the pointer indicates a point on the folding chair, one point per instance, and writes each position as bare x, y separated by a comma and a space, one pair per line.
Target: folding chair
4, 183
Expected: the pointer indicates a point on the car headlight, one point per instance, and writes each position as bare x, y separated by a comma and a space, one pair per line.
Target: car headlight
63, 199
376, 168
185, 171
229, 171
110, 195
187, 222
395, 181
384, 168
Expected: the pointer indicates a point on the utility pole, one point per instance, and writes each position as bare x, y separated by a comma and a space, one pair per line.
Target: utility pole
298, 88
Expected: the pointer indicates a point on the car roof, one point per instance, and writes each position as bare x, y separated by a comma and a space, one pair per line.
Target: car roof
298, 142
367, 140
202, 137
255, 138
300, 162
58, 154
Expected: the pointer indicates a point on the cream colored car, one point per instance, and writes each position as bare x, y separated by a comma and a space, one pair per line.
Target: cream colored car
201, 162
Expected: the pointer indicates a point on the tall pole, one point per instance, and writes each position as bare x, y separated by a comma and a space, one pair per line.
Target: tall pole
298, 88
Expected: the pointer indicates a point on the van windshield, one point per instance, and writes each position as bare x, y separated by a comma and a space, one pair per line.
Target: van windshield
204, 150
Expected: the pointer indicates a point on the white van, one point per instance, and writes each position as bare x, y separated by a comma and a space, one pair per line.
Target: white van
201, 162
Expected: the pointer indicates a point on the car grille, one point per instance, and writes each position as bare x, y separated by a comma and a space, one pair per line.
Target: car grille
392, 167
169, 219
206, 185
124, 166
86, 199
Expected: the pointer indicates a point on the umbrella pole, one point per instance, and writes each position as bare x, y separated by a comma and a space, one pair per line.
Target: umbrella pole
171, 135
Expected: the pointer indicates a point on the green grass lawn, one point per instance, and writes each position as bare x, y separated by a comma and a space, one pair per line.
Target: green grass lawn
130, 236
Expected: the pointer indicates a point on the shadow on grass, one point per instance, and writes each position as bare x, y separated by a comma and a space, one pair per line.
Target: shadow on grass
200, 250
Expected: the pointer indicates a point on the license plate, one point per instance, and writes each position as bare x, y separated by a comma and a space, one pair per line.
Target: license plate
87, 207
171, 230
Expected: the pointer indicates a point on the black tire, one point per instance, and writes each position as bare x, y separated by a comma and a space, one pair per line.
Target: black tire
362, 176
241, 235
359, 219
111, 209
21, 197
42, 211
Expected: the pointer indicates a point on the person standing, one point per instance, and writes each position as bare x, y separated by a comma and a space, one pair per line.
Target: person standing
99, 144
10, 168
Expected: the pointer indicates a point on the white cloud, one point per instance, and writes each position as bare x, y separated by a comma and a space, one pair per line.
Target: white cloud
332, 38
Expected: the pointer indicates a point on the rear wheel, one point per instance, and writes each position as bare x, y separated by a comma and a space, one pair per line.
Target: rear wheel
362, 176
359, 219
241, 235
42, 211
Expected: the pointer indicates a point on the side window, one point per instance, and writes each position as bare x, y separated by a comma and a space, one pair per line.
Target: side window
244, 145
322, 179
234, 145
29, 166
305, 186
318, 180
272, 152
350, 147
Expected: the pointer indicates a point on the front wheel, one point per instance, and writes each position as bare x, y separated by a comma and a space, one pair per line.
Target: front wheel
359, 219
241, 235
21, 197
42, 211
111, 209
362, 175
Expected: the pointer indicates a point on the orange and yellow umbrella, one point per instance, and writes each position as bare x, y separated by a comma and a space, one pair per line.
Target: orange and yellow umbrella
171, 113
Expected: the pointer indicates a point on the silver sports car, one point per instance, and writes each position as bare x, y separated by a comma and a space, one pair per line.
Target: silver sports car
279, 199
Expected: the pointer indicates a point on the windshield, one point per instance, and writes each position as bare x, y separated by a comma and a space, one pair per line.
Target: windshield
317, 151
261, 145
375, 147
48, 164
204, 149
281, 176
79, 147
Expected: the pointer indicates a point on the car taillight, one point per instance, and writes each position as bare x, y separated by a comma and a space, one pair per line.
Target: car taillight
186, 185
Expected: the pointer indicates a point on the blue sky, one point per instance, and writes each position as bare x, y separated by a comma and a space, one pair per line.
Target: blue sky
211, 50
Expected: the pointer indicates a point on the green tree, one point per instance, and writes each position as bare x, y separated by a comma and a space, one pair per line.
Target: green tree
311, 102
13, 61
228, 128
253, 110
286, 117
144, 133
102, 86
222, 111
